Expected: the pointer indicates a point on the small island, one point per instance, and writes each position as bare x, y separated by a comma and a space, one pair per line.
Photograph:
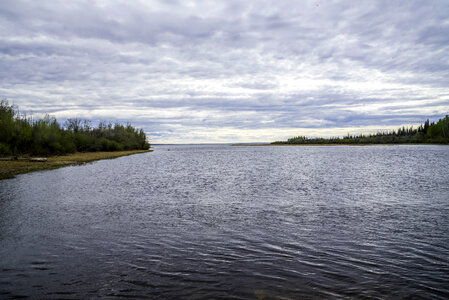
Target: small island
427, 133
29, 145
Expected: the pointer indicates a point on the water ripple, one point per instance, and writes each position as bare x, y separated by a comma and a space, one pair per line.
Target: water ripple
220, 222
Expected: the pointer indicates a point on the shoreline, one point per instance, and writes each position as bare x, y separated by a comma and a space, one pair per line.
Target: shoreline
390, 144
11, 168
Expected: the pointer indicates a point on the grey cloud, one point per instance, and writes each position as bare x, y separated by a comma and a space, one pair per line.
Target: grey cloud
123, 22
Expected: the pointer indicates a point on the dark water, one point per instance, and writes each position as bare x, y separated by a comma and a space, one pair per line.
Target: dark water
208, 222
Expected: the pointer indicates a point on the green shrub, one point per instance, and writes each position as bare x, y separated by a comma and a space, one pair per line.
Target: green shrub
19, 135
4, 149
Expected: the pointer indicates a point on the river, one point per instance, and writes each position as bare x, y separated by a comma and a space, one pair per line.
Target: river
224, 222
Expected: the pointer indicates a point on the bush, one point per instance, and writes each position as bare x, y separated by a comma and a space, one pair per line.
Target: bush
4, 149
19, 135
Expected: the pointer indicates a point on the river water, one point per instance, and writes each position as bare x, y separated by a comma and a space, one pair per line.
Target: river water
223, 222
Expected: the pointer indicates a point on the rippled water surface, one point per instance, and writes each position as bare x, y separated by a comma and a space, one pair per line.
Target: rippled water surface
208, 222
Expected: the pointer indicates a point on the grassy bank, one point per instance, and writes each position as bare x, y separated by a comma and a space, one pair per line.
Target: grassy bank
9, 169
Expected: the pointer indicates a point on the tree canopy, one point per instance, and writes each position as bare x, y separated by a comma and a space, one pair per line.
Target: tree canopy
431, 133
21, 135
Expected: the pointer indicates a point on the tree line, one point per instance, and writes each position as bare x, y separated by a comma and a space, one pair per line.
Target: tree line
429, 132
20, 135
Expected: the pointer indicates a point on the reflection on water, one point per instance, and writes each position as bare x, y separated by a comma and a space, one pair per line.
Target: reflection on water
210, 222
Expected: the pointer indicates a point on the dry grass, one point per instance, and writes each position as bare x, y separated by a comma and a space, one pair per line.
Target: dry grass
9, 169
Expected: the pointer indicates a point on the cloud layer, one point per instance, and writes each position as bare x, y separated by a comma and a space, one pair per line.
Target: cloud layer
229, 71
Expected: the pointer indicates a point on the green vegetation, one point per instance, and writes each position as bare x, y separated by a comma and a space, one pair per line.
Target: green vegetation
429, 133
20, 135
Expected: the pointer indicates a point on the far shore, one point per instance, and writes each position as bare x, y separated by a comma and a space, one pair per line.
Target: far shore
392, 144
10, 168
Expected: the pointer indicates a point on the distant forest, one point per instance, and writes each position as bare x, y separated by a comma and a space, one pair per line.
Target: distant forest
430, 133
20, 135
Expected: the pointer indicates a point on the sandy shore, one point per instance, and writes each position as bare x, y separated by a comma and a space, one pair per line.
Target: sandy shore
9, 169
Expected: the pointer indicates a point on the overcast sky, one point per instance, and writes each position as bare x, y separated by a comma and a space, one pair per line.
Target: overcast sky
229, 71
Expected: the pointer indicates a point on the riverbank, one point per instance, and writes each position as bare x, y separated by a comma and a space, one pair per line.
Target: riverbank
355, 144
249, 144
9, 169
